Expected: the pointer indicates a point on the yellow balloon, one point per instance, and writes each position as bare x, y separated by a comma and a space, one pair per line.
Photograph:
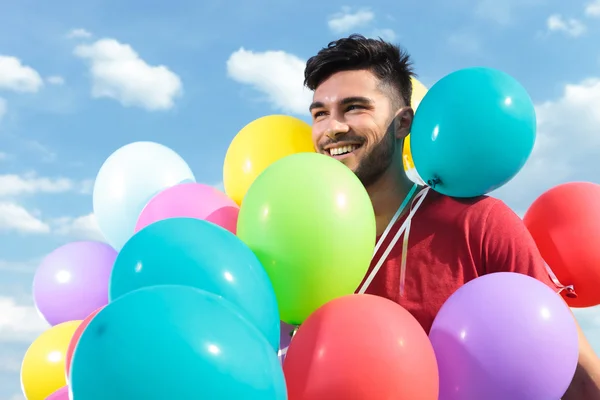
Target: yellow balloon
258, 145
43, 368
418, 92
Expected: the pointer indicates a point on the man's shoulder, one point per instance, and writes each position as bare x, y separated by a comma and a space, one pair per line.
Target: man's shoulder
473, 208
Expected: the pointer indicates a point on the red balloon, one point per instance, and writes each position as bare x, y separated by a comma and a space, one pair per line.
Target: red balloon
75, 339
361, 347
565, 224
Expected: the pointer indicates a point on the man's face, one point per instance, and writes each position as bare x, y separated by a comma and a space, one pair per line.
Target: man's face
352, 122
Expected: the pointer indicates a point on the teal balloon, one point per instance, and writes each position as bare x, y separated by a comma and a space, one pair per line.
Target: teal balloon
174, 342
198, 253
473, 132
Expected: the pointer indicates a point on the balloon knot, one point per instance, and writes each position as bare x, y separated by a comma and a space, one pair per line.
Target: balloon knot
434, 182
570, 292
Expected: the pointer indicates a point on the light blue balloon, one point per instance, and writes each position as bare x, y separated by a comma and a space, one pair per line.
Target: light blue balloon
174, 342
127, 181
194, 252
473, 132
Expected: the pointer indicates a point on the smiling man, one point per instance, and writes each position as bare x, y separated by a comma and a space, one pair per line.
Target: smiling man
429, 244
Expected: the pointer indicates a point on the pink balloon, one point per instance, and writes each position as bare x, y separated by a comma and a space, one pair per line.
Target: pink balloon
60, 394
191, 200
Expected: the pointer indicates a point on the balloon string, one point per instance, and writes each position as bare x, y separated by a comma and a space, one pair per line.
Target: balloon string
404, 258
420, 196
394, 219
570, 290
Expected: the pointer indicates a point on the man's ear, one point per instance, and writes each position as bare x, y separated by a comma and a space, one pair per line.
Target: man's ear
403, 122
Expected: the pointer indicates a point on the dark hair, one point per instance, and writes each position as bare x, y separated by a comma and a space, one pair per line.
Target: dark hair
388, 62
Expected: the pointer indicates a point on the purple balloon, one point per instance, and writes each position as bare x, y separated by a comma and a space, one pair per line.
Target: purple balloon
285, 337
72, 281
505, 336
60, 394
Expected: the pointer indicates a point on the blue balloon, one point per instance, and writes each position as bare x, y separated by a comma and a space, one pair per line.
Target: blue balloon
473, 132
198, 253
127, 181
174, 342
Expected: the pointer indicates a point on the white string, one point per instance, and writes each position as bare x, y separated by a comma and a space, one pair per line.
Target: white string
394, 219
420, 196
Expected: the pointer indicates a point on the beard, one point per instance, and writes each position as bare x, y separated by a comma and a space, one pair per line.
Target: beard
378, 160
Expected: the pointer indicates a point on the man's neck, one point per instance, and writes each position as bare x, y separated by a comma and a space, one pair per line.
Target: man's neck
387, 194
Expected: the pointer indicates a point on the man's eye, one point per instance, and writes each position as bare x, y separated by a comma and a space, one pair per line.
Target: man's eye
354, 107
318, 114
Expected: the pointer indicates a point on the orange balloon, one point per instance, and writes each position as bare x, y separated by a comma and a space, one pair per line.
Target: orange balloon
565, 224
361, 347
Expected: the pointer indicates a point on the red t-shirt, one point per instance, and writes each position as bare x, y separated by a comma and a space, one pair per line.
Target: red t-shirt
452, 241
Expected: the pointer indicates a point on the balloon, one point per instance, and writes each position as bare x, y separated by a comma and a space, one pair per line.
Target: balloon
174, 342
193, 252
473, 132
310, 221
127, 180
72, 281
285, 337
258, 145
565, 224
361, 347
60, 394
504, 336
75, 340
193, 200
418, 93
43, 368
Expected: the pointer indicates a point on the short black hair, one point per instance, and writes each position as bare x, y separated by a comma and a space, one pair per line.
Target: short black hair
388, 62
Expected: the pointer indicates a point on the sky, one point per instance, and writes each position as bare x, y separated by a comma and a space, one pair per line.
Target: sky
78, 80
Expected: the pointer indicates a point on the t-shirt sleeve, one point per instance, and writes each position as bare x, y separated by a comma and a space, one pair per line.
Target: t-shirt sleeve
507, 246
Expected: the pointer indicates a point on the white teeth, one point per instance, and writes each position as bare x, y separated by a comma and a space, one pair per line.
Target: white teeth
336, 151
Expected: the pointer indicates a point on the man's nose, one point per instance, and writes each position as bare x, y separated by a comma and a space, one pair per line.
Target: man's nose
336, 128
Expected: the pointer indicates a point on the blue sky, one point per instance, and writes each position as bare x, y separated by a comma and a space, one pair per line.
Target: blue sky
80, 79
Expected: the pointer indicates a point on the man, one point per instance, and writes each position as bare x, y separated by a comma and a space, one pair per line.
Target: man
361, 115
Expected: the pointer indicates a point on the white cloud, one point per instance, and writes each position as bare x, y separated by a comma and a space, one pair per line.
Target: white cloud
15, 218
55, 80
566, 148
503, 12
571, 27
18, 396
19, 266
19, 323
14, 185
278, 75
386, 34
592, 9
119, 73
347, 20
3, 108
83, 228
18, 77
79, 33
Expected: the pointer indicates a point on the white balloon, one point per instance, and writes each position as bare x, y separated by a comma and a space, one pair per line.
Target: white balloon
127, 180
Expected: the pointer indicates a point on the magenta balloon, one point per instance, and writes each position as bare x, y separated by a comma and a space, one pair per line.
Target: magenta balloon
60, 394
72, 281
191, 200
505, 336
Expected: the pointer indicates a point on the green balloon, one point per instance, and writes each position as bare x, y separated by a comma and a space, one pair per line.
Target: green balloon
311, 223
